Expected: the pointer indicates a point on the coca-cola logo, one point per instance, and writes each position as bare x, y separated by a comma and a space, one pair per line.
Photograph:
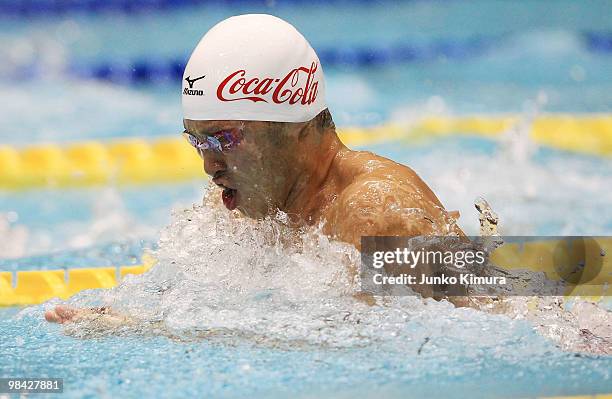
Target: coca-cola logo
297, 87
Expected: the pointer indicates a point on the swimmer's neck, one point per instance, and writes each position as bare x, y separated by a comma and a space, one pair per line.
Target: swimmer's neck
316, 181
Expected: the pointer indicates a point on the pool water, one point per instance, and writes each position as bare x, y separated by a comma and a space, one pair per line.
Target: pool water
521, 364
264, 320
534, 48
230, 311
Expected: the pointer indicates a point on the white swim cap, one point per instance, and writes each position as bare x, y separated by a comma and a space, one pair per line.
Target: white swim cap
253, 67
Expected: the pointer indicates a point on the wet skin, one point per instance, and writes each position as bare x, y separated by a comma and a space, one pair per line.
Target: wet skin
307, 172
312, 176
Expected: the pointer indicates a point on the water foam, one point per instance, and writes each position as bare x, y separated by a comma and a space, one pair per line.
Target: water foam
14, 237
219, 275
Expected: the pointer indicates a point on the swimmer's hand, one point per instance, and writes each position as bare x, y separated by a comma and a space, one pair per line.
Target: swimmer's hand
67, 314
101, 322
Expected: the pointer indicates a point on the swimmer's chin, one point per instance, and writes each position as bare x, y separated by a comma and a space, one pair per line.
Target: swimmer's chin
251, 213
256, 213
246, 211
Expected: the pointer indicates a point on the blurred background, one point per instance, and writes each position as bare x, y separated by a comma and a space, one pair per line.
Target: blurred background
505, 100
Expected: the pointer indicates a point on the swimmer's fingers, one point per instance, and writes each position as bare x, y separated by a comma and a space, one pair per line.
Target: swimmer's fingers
61, 314
64, 313
365, 297
52, 317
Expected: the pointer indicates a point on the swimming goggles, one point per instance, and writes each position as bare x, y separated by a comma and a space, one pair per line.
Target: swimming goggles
221, 141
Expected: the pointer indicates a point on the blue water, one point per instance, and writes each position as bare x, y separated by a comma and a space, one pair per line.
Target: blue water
521, 364
537, 49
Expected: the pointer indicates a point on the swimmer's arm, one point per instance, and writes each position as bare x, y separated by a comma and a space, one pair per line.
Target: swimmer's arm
366, 209
383, 208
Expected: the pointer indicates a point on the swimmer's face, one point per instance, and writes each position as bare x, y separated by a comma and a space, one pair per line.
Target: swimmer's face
253, 169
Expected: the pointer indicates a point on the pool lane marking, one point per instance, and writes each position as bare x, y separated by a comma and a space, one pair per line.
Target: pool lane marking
584, 264
37, 286
138, 161
130, 160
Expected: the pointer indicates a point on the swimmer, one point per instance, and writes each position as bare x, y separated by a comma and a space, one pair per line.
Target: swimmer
254, 109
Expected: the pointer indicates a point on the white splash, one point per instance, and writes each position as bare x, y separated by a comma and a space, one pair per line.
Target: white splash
13, 237
110, 219
221, 275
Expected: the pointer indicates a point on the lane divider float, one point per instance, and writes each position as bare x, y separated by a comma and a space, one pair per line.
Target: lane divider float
53, 8
95, 163
583, 263
37, 286
172, 159
170, 70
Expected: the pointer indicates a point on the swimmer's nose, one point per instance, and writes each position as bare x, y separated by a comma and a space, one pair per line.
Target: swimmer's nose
213, 165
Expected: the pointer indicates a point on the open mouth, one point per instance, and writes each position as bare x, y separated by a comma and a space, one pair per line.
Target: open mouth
229, 198
228, 195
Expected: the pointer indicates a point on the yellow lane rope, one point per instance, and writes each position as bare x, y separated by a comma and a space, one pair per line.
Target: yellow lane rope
89, 163
594, 283
38, 286
172, 159
585, 264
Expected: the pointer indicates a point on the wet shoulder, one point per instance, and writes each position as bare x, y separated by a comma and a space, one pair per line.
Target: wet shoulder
374, 176
367, 166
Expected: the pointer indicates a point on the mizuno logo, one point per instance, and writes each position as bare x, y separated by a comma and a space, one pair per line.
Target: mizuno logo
192, 81
191, 91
